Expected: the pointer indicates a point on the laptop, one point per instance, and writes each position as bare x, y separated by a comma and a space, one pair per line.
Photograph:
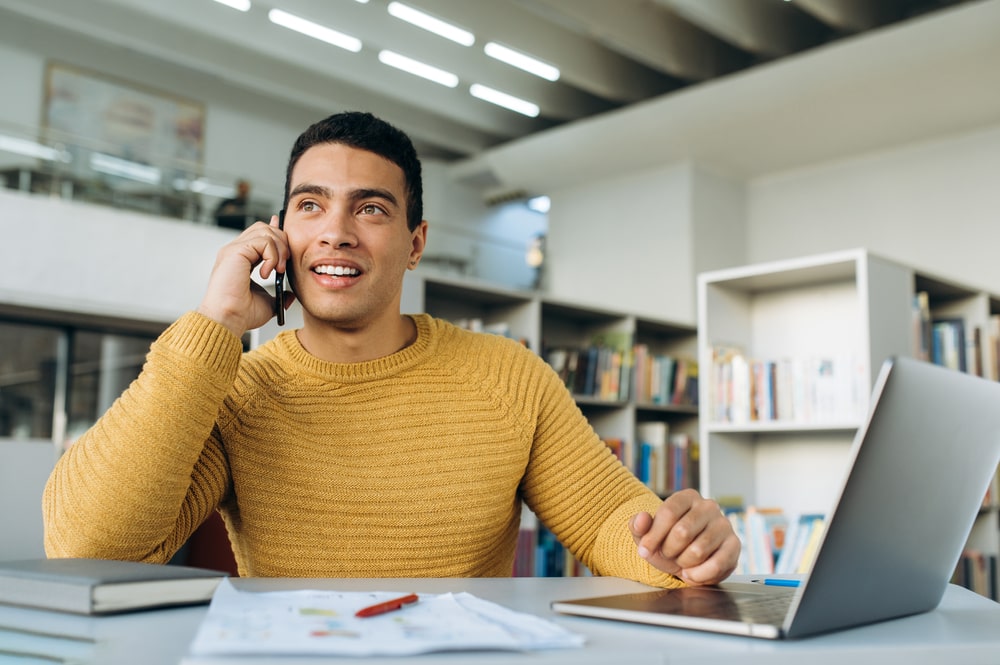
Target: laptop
920, 467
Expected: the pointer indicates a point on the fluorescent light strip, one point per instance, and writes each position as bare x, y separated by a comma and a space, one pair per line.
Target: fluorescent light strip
314, 30
32, 149
242, 5
431, 24
124, 168
521, 61
203, 186
503, 99
418, 68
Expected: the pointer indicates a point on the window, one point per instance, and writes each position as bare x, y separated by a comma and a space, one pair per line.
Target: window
102, 367
29, 359
55, 381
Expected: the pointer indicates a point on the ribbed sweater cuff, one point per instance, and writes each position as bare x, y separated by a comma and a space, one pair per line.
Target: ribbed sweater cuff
616, 547
208, 342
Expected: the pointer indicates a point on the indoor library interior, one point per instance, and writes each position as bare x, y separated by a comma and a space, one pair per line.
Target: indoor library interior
723, 229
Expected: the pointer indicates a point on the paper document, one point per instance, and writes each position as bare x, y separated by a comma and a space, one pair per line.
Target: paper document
316, 622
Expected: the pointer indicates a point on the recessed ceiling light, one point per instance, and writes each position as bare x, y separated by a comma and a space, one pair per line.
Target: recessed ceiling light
503, 99
314, 30
242, 5
522, 61
418, 68
540, 204
431, 24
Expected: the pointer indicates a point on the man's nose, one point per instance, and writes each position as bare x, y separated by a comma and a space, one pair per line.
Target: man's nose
339, 229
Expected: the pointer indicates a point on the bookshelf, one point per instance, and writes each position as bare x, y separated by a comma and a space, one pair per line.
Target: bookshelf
789, 351
977, 314
546, 324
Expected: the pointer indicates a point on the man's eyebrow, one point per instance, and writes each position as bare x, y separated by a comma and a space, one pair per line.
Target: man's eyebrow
355, 194
374, 193
308, 188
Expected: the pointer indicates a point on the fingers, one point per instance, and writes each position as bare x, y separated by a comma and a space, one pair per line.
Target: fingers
688, 537
232, 297
271, 246
717, 567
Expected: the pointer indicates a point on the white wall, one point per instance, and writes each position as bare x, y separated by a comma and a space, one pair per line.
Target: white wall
611, 242
24, 468
933, 205
636, 243
719, 222
23, 73
238, 145
85, 258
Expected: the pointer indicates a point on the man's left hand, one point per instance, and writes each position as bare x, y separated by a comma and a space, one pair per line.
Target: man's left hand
689, 538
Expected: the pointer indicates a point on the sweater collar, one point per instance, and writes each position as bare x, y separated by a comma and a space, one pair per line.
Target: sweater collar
287, 345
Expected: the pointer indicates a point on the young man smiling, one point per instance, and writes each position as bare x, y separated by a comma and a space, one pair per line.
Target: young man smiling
367, 442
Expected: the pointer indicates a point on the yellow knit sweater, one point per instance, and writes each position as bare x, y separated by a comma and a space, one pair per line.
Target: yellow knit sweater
411, 465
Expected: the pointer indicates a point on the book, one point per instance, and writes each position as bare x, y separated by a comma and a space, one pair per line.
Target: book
799, 532
948, 343
653, 438
99, 586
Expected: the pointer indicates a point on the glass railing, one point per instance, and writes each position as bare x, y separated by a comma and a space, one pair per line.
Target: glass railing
72, 167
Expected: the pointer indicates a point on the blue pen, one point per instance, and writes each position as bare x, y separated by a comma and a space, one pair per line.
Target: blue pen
780, 582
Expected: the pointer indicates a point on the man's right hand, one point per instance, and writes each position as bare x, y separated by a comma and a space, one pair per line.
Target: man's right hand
233, 298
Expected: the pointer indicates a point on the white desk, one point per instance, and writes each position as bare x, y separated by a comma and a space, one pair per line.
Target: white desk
964, 629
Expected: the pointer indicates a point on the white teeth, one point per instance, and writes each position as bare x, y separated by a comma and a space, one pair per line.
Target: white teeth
338, 271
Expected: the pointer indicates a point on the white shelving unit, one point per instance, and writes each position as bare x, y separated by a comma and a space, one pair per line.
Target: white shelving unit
849, 306
843, 305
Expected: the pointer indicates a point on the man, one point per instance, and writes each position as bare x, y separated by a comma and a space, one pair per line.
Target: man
366, 443
233, 212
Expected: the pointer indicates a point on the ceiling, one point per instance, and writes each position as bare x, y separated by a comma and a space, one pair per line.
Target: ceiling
612, 54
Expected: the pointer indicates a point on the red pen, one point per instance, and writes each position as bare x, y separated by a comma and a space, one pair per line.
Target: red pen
387, 606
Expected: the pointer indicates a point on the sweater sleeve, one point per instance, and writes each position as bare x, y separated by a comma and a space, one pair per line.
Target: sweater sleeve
144, 477
581, 491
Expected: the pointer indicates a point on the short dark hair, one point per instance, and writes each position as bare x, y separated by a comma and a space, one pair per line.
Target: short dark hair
366, 132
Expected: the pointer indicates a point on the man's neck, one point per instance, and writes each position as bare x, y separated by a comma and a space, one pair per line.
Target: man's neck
337, 344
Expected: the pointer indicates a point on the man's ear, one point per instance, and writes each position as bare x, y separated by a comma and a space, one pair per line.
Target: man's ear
418, 241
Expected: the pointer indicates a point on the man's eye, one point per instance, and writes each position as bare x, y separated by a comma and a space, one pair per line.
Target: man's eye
370, 209
309, 206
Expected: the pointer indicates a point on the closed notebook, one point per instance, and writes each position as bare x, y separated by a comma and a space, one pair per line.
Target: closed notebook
98, 586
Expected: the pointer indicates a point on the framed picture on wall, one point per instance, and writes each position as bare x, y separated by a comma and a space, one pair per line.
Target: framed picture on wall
124, 121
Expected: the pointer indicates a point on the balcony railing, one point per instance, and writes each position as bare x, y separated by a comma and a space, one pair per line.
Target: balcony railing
85, 170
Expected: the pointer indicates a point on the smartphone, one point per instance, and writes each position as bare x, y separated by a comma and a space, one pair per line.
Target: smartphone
279, 280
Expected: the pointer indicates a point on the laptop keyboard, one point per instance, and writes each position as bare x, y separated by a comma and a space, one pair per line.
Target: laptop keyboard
765, 608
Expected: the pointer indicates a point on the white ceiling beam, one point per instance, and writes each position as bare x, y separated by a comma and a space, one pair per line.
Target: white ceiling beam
853, 15
584, 64
652, 35
767, 28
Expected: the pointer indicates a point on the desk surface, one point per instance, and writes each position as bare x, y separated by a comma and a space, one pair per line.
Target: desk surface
965, 628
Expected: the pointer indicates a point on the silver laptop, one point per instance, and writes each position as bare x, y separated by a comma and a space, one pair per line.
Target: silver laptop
919, 471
